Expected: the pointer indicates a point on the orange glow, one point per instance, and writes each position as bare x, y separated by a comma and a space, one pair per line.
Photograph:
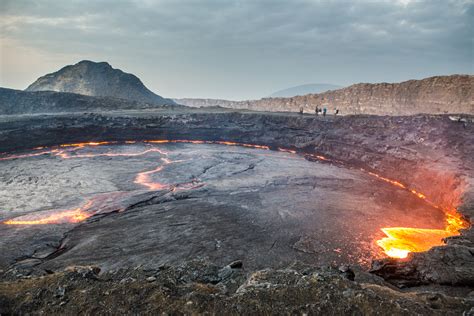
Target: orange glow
68, 216
396, 183
287, 150
30, 155
189, 141
240, 144
144, 178
72, 146
66, 155
321, 157
400, 241
86, 144
217, 142
102, 202
418, 194
160, 141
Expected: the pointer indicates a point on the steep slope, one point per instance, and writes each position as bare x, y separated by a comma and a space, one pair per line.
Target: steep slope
304, 89
434, 95
97, 79
22, 102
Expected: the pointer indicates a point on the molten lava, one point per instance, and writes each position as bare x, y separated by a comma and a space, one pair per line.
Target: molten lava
66, 155
40, 153
104, 202
144, 178
85, 144
68, 216
400, 241
287, 150
215, 142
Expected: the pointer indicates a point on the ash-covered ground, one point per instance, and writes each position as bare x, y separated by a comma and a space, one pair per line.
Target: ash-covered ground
189, 228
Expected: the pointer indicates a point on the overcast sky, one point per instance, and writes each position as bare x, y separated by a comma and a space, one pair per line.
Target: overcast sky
238, 49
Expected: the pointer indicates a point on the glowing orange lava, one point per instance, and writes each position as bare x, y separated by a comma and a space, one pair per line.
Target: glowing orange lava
46, 152
66, 155
400, 241
104, 202
216, 142
87, 144
68, 216
321, 157
144, 178
286, 150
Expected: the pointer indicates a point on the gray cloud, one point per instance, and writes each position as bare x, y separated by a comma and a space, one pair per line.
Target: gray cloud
242, 49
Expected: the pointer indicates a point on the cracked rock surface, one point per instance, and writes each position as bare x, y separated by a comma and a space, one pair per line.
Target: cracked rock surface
266, 208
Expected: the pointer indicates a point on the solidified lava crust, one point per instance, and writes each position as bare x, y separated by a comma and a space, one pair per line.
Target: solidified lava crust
398, 243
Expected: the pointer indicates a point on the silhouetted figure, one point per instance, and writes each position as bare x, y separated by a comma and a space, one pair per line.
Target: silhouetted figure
316, 111
324, 111
301, 110
336, 111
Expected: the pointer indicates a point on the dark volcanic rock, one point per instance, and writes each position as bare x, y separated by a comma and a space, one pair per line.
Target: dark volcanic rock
21, 102
97, 79
195, 287
451, 265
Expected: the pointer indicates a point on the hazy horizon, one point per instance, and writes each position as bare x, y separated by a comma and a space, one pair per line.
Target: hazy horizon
238, 49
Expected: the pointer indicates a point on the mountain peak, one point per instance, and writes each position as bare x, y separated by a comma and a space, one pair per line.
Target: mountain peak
97, 79
90, 63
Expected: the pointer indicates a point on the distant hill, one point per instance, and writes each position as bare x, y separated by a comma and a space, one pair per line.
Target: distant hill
24, 102
304, 89
97, 79
434, 95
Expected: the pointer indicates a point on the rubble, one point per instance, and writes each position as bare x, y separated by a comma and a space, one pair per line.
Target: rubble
195, 287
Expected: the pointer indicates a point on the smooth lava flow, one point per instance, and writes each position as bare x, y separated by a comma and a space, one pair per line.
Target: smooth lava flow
398, 243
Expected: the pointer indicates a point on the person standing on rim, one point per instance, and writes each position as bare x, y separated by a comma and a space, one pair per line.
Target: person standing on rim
324, 111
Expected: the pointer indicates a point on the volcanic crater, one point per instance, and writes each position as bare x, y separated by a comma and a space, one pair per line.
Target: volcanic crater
151, 189
267, 208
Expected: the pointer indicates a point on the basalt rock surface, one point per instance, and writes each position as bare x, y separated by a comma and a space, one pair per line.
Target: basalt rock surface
448, 265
